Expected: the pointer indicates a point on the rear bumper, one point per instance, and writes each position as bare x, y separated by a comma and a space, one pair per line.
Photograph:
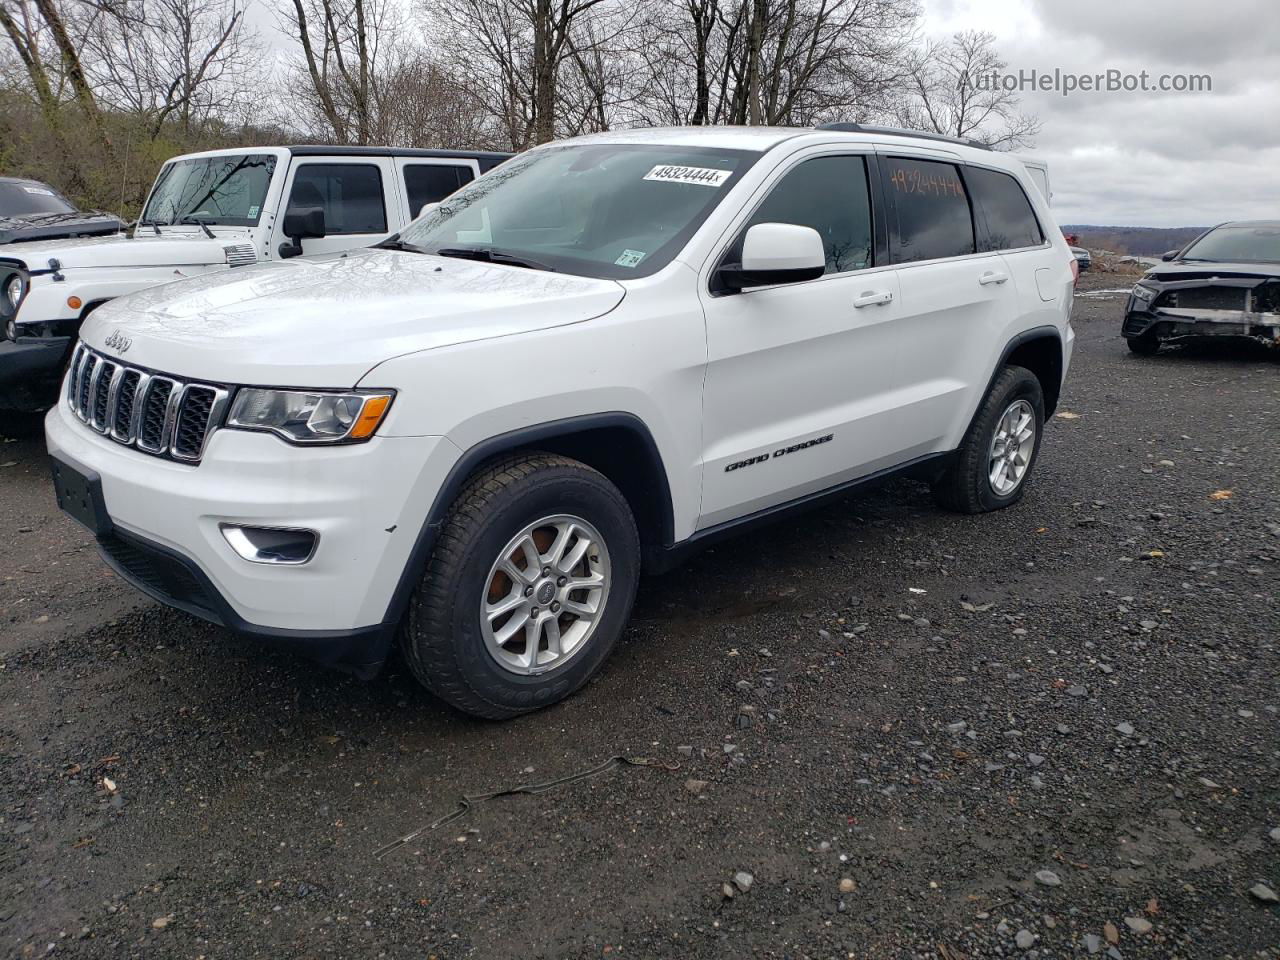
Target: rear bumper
30, 370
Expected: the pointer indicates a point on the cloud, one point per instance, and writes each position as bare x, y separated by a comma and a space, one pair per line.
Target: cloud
1146, 158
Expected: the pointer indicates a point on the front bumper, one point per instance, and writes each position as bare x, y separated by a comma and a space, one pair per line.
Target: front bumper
1170, 325
366, 501
30, 370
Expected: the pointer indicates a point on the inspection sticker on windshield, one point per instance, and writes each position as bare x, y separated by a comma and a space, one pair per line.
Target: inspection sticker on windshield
630, 258
703, 176
41, 191
253, 210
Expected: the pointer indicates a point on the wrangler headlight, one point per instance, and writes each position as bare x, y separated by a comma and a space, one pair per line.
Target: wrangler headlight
13, 291
308, 416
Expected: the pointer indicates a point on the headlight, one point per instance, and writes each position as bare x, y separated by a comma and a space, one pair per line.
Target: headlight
305, 416
14, 289
1145, 294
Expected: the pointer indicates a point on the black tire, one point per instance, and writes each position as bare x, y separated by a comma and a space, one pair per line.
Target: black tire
1144, 346
966, 487
441, 635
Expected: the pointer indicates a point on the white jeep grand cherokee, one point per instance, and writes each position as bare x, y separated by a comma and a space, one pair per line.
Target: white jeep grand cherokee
607, 352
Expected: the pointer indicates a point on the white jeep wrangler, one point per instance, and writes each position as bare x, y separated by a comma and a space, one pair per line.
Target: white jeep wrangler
210, 212
605, 353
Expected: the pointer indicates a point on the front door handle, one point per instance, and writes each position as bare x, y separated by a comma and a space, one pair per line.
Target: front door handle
993, 276
874, 298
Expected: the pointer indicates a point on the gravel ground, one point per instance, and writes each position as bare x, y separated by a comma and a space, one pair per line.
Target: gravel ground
1047, 732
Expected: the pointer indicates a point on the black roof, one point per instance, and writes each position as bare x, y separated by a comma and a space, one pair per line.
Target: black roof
492, 157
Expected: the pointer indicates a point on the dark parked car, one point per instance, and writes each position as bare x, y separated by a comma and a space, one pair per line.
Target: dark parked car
31, 210
1224, 283
1084, 259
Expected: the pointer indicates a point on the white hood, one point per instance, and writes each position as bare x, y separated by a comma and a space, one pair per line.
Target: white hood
117, 250
325, 322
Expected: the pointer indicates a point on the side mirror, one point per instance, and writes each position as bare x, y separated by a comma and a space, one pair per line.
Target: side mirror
1170, 255
302, 224
427, 208
776, 253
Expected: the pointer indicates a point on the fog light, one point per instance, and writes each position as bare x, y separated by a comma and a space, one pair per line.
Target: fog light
270, 544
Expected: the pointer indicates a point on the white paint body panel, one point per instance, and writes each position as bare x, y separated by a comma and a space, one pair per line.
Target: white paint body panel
477, 350
326, 321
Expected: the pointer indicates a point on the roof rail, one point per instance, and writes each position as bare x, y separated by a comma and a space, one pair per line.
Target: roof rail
900, 132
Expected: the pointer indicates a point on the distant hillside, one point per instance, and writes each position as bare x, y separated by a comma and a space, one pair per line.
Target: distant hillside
1138, 241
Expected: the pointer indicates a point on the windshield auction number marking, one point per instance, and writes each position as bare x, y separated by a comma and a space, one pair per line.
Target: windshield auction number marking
702, 176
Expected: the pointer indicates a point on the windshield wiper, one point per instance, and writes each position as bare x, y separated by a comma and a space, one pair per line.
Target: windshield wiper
154, 223
489, 255
202, 224
394, 242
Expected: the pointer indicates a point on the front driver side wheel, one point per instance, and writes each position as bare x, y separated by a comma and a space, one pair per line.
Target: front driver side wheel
528, 588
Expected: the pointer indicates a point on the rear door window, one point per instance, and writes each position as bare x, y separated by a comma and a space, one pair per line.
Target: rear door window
929, 212
350, 195
430, 183
830, 195
1008, 221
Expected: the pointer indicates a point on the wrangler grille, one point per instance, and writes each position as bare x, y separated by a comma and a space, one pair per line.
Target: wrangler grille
156, 414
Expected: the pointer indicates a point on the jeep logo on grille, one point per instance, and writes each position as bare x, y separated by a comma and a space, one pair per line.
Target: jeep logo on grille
118, 341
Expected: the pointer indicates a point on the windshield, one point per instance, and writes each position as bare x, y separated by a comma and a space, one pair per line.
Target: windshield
27, 199
596, 210
1238, 243
219, 190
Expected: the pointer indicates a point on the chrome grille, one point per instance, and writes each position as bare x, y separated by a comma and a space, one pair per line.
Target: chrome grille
156, 414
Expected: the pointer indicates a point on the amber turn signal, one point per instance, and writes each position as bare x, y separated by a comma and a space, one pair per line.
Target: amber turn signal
370, 416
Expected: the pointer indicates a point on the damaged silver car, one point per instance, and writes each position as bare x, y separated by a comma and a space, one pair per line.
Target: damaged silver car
1225, 283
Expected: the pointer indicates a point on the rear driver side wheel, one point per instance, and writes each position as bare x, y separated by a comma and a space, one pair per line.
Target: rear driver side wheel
528, 588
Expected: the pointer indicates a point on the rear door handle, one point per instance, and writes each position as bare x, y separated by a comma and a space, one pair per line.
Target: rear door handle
993, 276
874, 298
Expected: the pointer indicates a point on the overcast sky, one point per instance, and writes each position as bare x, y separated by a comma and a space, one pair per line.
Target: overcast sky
1148, 159
1136, 159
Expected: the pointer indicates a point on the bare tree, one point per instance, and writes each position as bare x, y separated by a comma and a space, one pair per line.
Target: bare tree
22, 28
774, 61
341, 42
186, 61
952, 92
512, 55
26, 24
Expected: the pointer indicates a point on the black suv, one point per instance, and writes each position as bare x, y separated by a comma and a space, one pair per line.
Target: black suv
31, 210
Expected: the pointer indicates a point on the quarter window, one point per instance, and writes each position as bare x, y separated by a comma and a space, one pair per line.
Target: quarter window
829, 194
430, 183
1009, 220
350, 195
929, 214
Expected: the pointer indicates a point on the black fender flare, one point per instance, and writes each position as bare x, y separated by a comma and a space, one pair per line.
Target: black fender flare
1046, 331
523, 438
